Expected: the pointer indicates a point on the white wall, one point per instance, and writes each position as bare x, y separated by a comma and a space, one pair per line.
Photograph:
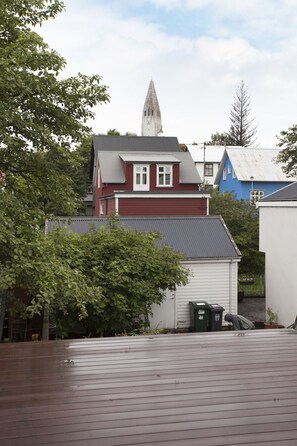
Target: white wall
212, 281
200, 169
278, 239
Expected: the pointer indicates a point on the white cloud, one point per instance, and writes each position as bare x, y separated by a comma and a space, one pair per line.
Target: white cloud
195, 77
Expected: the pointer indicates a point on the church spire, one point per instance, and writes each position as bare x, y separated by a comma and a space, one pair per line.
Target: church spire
151, 114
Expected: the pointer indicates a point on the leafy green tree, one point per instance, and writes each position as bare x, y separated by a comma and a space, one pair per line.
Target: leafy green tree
42, 116
47, 267
288, 156
131, 269
220, 139
113, 132
242, 132
242, 221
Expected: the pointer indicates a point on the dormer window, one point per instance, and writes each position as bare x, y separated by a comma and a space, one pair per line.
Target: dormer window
141, 177
164, 175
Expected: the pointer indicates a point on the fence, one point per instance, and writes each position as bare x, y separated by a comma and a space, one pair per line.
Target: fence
252, 285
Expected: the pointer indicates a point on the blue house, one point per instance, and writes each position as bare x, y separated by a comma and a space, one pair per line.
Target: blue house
251, 174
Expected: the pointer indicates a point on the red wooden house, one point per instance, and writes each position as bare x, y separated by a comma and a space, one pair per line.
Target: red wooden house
145, 176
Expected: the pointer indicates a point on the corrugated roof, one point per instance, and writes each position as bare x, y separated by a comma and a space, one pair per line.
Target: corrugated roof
112, 169
195, 237
257, 163
135, 143
287, 193
211, 154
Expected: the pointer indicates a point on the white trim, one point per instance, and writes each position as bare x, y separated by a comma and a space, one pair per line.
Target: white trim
164, 173
116, 204
165, 195
98, 176
141, 186
211, 260
277, 204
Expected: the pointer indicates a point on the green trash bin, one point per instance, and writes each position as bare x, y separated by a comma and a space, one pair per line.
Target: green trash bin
199, 316
215, 317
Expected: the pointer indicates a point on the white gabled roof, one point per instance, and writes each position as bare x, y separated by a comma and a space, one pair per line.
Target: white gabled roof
209, 154
257, 163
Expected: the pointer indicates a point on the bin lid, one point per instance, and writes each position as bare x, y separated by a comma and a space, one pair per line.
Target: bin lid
199, 303
216, 307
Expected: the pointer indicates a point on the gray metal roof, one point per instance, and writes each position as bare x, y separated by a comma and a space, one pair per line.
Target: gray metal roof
196, 237
136, 143
112, 169
257, 163
287, 193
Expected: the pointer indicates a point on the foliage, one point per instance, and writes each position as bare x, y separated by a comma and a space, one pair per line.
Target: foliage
242, 132
32, 261
113, 132
271, 316
220, 139
132, 271
42, 116
288, 142
242, 221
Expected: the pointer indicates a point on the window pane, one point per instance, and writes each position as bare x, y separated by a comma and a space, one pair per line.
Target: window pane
167, 178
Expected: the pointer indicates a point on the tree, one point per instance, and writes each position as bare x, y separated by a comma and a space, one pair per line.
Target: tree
242, 220
131, 269
242, 132
220, 139
46, 267
42, 116
288, 156
113, 132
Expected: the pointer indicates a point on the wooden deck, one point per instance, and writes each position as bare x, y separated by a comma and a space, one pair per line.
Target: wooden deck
208, 389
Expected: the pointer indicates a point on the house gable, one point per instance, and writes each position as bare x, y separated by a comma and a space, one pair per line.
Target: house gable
131, 169
250, 174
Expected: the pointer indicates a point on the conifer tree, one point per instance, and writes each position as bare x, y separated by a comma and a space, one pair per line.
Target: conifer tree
242, 132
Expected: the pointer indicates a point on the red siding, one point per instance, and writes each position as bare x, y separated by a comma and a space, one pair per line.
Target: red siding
162, 206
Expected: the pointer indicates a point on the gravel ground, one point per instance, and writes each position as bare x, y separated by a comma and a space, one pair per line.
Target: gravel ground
253, 308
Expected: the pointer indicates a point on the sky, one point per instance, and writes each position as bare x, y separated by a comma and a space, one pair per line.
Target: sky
197, 52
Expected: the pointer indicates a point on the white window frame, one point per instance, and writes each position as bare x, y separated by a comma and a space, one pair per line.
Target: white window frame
256, 195
208, 167
141, 177
98, 177
224, 174
229, 169
102, 208
164, 173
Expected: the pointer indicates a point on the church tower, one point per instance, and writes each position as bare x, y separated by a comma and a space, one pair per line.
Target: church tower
151, 115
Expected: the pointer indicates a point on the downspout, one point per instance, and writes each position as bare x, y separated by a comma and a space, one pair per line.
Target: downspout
230, 286
116, 204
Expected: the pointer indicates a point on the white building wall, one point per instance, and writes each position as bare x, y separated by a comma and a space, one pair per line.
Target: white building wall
214, 282
207, 179
278, 239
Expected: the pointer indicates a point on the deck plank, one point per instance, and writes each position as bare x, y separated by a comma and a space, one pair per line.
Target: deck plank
208, 389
